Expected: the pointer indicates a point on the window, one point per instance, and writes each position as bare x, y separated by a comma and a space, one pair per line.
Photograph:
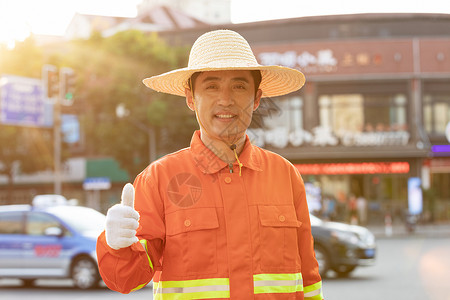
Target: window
37, 223
11, 223
436, 113
355, 113
289, 114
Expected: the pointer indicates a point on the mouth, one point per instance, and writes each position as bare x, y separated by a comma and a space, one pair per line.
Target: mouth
226, 116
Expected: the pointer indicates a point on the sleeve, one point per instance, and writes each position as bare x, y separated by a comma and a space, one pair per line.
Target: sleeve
131, 268
312, 282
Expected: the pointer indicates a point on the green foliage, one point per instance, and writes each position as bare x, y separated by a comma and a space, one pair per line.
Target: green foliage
112, 69
109, 73
25, 59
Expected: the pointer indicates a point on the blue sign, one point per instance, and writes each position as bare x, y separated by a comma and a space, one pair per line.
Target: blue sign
70, 127
22, 102
415, 201
97, 183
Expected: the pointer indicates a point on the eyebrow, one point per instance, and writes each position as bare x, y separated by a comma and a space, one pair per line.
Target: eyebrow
213, 78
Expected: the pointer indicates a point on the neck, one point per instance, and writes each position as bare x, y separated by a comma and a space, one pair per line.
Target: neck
222, 148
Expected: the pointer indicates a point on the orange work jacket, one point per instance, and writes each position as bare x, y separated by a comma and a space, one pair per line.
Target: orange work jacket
208, 232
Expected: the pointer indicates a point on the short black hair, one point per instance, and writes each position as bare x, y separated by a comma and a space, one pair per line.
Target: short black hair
256, 74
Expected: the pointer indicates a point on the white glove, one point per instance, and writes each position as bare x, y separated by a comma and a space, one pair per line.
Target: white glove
122, 221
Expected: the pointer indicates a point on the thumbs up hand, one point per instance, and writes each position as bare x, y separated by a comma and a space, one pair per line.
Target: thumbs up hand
122, 221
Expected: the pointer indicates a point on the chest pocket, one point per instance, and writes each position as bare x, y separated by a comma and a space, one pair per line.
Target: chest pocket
278, 236
191, 242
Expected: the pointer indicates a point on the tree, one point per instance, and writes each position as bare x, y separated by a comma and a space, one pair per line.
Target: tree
112, 70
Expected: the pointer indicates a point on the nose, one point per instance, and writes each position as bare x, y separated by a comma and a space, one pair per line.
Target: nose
225, 97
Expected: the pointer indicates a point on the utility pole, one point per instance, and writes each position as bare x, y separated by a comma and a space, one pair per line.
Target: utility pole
122, 113
52, 87
58, 88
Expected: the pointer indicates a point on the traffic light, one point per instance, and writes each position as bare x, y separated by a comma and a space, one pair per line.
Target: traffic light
50, 81
67, 86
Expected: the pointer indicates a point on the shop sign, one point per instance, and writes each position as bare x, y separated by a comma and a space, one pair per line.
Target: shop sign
399, 167
320, 61
440, 165
343, 57
321, 136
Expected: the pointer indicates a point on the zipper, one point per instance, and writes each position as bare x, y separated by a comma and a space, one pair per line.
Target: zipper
230, 165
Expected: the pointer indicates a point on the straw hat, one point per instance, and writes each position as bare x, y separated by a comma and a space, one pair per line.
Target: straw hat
226, 50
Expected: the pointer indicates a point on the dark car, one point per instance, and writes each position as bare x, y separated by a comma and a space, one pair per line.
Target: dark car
56, 241
342, 247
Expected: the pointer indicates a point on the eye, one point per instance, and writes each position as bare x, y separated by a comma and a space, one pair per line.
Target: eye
240, 86
211, 87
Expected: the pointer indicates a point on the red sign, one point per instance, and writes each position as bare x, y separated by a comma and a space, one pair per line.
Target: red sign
47, 250
354, 168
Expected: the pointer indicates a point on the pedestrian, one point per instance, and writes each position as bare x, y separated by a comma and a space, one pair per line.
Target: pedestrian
329, 207
352, 210
223, 218
361, 204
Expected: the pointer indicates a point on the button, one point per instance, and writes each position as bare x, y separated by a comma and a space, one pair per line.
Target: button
187, 223
281, 218
227, 179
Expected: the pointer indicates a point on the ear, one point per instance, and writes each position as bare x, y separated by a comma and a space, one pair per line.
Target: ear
257, 100
189, 99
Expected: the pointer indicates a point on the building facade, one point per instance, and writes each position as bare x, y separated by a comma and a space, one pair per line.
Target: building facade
373, 113
208, 11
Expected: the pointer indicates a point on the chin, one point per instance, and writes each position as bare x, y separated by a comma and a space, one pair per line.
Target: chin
232, 137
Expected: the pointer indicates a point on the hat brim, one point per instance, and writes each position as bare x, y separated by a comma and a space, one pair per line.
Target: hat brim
275, 81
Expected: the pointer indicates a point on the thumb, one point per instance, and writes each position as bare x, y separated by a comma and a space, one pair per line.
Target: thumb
128, 195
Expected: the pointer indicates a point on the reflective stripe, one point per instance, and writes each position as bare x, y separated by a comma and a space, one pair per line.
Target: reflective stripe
314, 291
139, 287
144, 244
278, 283
192, 289
220, 287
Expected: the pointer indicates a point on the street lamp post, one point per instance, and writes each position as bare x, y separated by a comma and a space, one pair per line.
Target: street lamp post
122, 112
58, 87
53, 90
57, 147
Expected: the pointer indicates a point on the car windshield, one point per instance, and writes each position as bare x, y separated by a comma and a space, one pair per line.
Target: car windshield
82, 219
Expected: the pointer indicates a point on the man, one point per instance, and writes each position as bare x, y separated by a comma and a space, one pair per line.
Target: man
222, 219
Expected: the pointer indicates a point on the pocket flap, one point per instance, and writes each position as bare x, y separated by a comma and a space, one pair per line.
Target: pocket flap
278, 216
191, 219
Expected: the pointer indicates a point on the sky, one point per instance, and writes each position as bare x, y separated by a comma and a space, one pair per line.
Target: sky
20, 17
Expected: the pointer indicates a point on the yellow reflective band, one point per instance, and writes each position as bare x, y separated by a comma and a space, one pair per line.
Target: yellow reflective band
278, 283
192, 289
313, 291
139, 287
144, 244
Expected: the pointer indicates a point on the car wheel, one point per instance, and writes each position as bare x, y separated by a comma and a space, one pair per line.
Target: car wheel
323, 259
344, 271
85, 273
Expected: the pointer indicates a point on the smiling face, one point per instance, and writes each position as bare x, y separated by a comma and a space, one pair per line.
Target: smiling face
224, 103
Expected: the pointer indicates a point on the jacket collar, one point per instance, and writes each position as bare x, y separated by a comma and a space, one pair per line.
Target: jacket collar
210, 163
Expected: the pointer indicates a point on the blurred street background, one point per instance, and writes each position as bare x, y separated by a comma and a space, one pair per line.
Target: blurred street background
369, 132
413, 268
